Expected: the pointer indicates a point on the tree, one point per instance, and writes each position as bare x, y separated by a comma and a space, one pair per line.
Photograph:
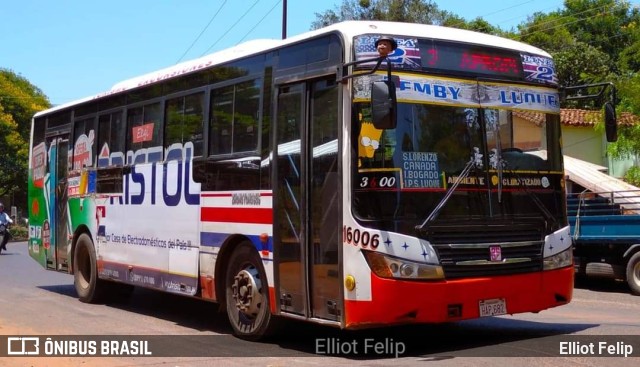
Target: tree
589, 39
628, 144
602, 24
629, 57
19, 101
546, 31
411, 11
581, 63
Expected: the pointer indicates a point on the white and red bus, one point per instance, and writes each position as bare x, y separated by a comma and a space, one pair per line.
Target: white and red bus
258, 177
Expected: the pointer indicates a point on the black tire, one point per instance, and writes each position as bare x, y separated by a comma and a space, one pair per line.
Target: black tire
90, 289
633, 273
247, 294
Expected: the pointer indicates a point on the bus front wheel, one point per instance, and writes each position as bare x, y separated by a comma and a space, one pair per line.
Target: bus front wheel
247, 294
85, 275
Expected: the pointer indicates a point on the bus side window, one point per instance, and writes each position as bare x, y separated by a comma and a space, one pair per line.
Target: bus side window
84, 145
234, 118
245, 117
221, 121
184, 119
144, 131
111, 140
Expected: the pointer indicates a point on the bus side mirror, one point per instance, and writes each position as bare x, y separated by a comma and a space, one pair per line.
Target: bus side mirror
610, 124
383, 104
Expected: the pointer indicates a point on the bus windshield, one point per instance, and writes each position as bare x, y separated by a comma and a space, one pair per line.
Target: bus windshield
403, 173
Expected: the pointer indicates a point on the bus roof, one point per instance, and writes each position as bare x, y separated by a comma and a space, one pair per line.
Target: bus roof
348, 29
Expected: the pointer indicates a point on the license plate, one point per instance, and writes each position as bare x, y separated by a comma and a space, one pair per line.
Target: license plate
493, 307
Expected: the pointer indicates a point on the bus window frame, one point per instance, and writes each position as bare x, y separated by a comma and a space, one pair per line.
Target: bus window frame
142, 104
233, 82
109, 112
73, 138
206, 92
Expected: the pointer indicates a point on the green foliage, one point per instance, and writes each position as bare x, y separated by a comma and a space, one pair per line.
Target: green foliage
603, 24
589, 39
629, 58
633, 176
628, 144
481, 25
19, 233
581, 63
546, 31
629, 90
19, 101
411, 11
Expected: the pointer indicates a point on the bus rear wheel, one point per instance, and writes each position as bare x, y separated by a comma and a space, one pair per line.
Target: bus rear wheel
90, 289
247, 294
633, 273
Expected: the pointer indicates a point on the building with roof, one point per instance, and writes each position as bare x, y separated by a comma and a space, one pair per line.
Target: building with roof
582, 141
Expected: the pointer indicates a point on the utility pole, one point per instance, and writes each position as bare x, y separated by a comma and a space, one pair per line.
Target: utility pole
284, 19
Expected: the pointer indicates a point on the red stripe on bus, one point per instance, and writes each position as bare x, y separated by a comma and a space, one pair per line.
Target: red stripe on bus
237, 215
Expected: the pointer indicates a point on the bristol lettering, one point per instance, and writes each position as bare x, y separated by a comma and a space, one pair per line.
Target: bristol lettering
172, 178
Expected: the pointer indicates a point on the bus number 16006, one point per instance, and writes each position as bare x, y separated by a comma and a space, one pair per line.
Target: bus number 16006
360, 238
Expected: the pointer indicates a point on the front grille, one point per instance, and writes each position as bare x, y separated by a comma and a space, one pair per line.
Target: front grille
462, 261
464, 249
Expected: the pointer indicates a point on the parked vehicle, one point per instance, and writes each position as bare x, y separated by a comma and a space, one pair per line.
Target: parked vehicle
605, 228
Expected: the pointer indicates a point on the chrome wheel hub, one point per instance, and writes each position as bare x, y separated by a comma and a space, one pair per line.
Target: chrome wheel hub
246, 291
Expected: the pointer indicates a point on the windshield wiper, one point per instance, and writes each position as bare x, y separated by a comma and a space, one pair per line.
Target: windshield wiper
434, 214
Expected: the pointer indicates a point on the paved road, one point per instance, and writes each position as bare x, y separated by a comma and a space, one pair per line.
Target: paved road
35, 301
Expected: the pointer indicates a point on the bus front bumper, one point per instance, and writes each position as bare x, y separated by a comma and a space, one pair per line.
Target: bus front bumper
404, 302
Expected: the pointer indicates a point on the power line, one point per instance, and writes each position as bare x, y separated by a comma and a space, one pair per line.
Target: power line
526, 15
230, 28
200, 35
560, 25
263, 18
495, 12
511, 7
557, 20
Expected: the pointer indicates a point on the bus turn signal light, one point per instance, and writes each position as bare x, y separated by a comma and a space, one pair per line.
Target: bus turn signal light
386, 266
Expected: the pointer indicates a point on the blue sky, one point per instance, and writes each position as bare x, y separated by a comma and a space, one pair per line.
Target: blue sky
72, 49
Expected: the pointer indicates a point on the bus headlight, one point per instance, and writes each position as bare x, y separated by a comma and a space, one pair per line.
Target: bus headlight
386, 266
560, 260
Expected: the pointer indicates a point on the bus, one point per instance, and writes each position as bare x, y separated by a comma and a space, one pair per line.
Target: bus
278, 179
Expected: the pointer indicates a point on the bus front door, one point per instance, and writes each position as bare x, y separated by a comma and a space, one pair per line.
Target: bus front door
58, 244
307, 200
